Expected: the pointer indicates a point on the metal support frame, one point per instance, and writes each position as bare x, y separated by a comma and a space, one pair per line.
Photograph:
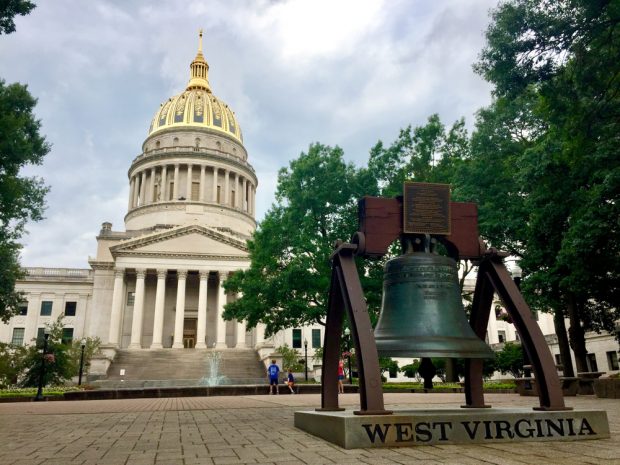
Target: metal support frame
494, 277
380, 224
346, 293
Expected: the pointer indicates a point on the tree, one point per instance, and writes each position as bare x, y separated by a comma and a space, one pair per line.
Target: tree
11, 360
388, 364
555, 130
289, 276
21, 197
9, 9
290, 358
510, 360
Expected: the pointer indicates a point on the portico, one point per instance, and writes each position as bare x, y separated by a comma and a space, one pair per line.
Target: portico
173, 308
168, 290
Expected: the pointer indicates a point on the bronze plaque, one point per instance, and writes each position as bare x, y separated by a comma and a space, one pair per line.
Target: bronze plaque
426, 208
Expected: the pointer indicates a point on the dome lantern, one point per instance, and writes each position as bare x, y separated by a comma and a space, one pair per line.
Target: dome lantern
199, 70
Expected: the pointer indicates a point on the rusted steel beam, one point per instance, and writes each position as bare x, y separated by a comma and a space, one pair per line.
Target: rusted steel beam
346, 292
381, 223
479, 319
547, 380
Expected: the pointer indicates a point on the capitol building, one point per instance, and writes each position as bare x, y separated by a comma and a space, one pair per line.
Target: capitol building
158, 284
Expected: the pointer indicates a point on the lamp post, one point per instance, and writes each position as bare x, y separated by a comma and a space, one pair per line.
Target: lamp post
527, 373
347, 333
83, 345
39, 396
306, 355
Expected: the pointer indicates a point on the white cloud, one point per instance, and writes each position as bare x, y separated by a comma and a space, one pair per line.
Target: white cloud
340, 72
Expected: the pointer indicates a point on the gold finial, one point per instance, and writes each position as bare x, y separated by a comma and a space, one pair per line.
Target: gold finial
200, 40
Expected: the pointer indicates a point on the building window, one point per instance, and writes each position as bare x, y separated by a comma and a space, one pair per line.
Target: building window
40, 336
46, 308
18, 337
558, 359
297, 339
316, 338
23, 308
171, 191
70, 308
67, 335
612, 360
219, 194
195, 190
131, 298
591, 359
501, 336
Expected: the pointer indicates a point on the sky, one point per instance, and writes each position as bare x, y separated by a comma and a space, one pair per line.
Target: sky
340, 72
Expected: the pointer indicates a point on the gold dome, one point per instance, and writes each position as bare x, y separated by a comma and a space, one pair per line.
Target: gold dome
197, 107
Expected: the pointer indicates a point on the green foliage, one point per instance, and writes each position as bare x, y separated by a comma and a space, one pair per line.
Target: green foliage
65, 362
21, 197
317, 358
9, 9
510, 360
389, 365
11, 360
316, 204
411, 370
545, 163
290, 358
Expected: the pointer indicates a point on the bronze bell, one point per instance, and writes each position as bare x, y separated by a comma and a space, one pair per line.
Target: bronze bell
422, 313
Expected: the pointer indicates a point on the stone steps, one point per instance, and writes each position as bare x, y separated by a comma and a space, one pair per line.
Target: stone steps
183, 367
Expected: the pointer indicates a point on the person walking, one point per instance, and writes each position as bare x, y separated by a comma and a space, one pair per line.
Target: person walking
340, 377
290, 381
272, 372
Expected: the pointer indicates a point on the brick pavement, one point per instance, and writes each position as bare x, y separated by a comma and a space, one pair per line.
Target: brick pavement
254, 430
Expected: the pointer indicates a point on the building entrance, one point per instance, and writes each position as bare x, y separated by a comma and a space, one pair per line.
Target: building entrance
189, 333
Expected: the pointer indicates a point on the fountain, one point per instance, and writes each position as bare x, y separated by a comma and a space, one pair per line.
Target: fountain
213, 378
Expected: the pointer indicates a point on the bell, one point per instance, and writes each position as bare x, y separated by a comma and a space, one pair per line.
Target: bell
422, 313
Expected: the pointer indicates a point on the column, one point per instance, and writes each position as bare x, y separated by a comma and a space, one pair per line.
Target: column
136, 190
175, 191
34, 308
188, 186
241, 330
158, 318
260, 335
226, 187
179, 317
244, 184
201, 196
237, 192
138, 309
164, 183
221, 323
132, 186
201, 332
152, 187
117, 304
143, 188
214, 196
251, 199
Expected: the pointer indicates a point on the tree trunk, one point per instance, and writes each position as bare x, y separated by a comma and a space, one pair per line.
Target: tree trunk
577, 336
560, 331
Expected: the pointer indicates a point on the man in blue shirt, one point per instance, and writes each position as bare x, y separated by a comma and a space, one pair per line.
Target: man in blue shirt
273, 371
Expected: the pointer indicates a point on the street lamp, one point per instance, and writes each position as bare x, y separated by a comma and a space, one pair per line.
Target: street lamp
517, 274
39, 396
347, 333
83, 345
306, 355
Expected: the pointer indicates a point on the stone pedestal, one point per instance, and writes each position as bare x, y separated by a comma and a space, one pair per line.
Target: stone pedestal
452, 426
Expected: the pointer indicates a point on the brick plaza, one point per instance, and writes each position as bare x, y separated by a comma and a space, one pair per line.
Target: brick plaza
255, 430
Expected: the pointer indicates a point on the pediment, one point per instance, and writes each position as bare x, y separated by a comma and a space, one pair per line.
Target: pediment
183, 241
